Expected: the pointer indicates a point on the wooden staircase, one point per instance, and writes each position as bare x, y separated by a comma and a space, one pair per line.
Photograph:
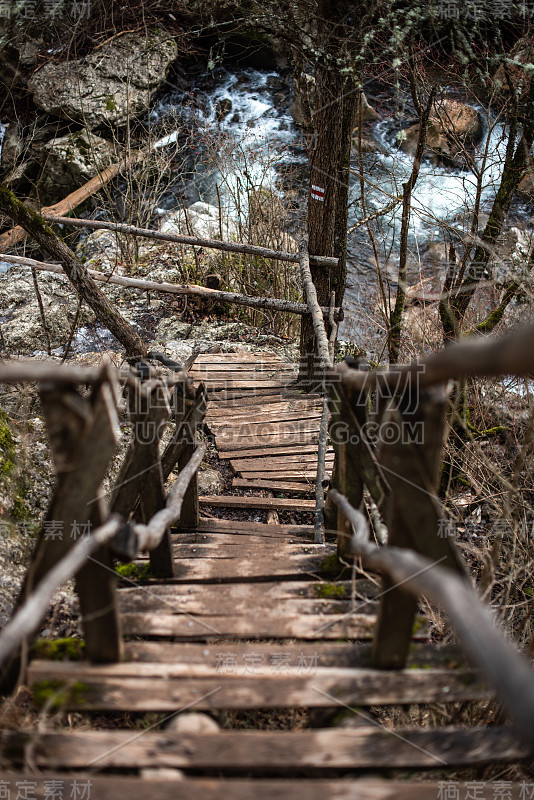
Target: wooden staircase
261, 622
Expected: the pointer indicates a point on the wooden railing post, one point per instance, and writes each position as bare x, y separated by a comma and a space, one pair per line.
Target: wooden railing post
410, 455
139, 484
83, 434
355, 462
188, 433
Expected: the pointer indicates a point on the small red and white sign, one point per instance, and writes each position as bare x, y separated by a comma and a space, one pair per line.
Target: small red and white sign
317, 193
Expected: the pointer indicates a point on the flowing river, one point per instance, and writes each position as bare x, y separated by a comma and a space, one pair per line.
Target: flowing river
247, 112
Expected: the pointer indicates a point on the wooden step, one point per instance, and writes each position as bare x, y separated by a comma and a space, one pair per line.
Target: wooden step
327, 654
258, 528
305, 487
220, 684
231, 752
234, 501
161, 788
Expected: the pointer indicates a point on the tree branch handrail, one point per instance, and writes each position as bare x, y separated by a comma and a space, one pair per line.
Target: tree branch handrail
504, 667
216, 244
317, 314
250, 301
480, 356
146, 537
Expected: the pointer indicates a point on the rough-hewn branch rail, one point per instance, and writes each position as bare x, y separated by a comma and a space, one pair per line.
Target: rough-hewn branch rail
317, 313
496, 658
146, 537
482, 357
272, 303
28, 617
35, 371
215, 244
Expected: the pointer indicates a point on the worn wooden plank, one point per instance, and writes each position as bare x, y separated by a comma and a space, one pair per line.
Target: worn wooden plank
325, 653
274, 450
223, 411
239, 357
304, 487
153, 687
241, 399
283, 549
234, 501
245, 599
268, 751
250, 427
284, 474
266, 464
248, 568
254, 373
116, 788
197, 609
276, 411
237, 538
206, 597
258, 528
277, 441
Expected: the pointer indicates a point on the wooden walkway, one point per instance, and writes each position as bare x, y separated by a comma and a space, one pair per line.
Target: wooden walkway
257, 618
265, 426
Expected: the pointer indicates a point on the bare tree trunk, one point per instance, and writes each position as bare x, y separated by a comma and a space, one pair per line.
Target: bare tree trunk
328, 202
74, 269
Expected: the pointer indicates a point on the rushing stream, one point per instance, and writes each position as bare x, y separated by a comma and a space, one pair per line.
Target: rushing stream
263, 143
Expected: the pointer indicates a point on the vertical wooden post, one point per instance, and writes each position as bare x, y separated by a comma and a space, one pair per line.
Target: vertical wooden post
190, 516
411, 461
139, 485
83, 435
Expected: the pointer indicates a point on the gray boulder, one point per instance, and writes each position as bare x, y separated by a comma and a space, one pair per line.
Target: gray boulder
70, 161
22, 327
110, 84
210, 482
202, 220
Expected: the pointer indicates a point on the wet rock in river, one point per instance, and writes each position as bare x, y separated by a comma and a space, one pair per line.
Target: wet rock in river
452, 126
223, 108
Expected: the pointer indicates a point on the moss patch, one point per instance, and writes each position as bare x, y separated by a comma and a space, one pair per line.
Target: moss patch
57, 694
7, 446
331, 567
133, 571
67, 649
329, 590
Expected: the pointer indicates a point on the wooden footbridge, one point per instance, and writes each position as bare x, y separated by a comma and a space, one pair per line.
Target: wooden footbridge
246, 621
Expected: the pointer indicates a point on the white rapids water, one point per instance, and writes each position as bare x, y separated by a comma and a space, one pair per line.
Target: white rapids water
257, 137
